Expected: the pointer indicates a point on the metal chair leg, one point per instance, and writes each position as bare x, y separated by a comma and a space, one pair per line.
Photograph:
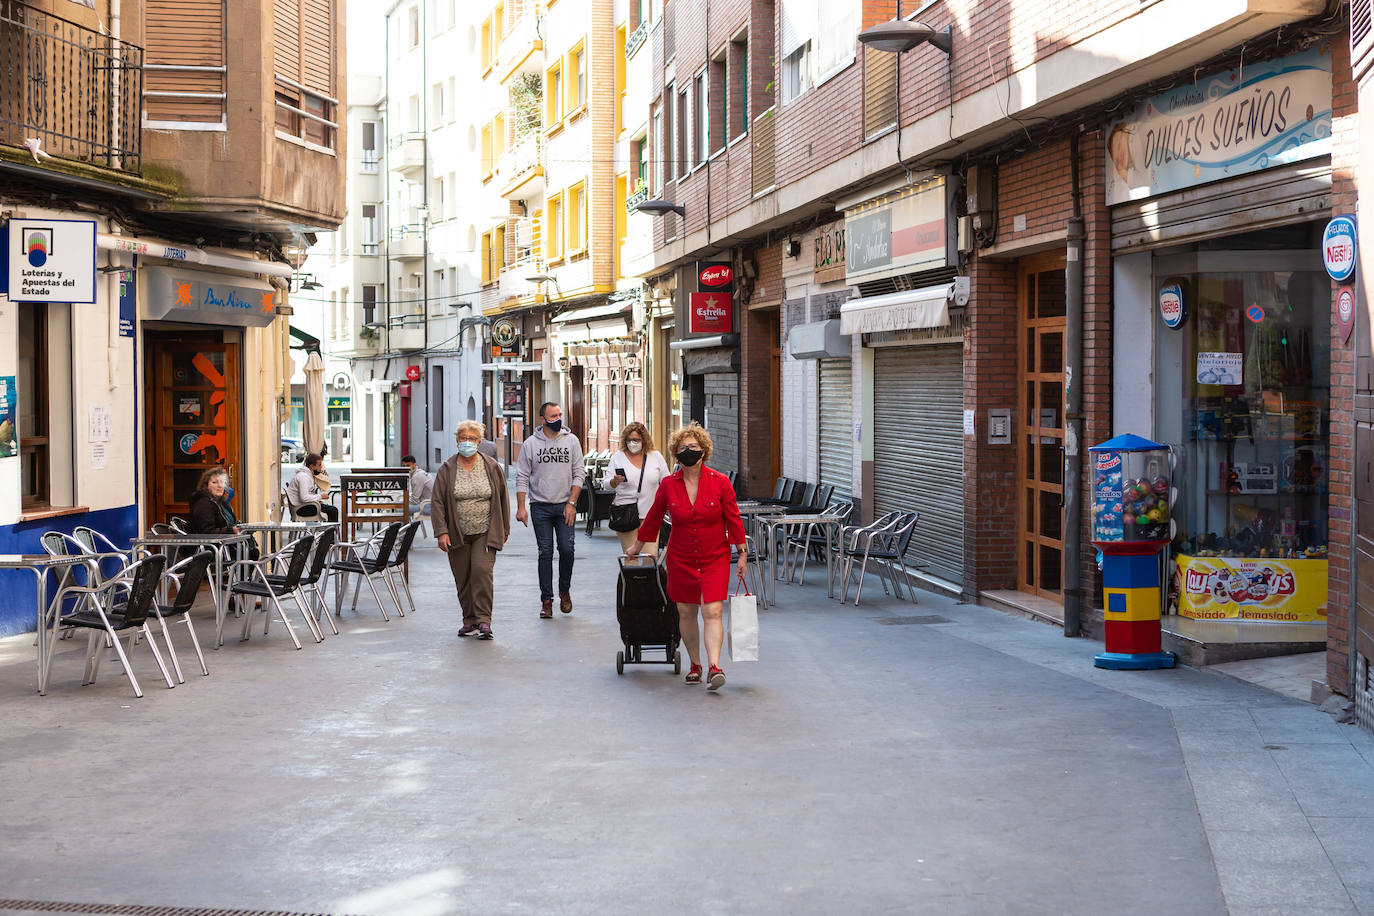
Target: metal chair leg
299, 597
863, 569
152, 644
171, 649
195, 643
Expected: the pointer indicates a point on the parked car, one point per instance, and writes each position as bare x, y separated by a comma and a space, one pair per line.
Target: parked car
292, 450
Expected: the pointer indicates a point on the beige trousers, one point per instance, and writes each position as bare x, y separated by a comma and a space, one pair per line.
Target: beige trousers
472, 563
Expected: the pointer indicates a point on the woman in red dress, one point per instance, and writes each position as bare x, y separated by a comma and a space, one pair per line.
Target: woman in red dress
706, 521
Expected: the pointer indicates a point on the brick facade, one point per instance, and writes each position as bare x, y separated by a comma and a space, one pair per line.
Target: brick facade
1341, 453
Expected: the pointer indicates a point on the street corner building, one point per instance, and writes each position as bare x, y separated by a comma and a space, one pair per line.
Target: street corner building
148, 260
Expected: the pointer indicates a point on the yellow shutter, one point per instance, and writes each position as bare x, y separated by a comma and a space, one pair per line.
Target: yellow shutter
177, 34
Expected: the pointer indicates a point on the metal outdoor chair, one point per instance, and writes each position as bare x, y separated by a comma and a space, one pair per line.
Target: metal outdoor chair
257, 585
188, 576
313, 578
887, 547
105, 549
853, 537
396, 567
57, 544
367, 560
121, 604
811, 541
178, 524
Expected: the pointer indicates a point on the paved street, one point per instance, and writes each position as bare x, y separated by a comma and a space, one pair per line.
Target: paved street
879, 759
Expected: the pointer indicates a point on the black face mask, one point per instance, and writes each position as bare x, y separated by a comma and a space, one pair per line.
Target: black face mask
689, 456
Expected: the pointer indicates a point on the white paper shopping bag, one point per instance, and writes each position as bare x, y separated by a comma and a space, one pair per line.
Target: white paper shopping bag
744, 627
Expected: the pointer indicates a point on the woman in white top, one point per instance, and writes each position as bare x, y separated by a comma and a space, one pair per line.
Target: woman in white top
634, 473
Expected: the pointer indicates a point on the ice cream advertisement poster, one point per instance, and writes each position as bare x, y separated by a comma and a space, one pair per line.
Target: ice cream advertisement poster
1234, 588
9, 417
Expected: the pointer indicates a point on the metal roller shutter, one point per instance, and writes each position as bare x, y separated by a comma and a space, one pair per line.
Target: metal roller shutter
837, 425
918, 449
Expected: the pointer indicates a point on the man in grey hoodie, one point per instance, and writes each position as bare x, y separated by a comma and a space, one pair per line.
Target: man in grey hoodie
550, 474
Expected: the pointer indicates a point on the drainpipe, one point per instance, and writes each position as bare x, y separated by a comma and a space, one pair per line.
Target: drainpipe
1073, 406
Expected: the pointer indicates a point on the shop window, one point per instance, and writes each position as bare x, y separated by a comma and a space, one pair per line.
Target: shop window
1243, 395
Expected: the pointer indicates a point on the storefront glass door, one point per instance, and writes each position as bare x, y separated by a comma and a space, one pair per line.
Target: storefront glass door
193, 419
1041, 426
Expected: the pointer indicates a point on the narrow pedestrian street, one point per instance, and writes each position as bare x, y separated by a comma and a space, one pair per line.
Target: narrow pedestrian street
938, 758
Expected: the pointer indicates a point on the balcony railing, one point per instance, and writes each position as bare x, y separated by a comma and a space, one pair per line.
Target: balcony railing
525, 155
523, 257
306, 113
78, 92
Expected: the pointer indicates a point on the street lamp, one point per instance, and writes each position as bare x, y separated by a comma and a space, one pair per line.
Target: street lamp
660, 207
898, 35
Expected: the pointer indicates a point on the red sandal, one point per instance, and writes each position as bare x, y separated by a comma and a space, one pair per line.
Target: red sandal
694, 675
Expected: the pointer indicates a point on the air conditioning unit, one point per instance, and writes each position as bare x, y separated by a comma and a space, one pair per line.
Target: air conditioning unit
1361, 37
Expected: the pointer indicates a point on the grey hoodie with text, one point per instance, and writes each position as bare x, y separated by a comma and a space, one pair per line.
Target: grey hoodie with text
548, 468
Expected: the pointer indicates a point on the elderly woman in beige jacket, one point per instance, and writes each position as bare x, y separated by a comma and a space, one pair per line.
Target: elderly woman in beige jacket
471, 515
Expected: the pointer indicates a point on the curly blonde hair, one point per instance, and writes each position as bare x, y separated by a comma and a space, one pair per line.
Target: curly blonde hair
693, 430
636, 427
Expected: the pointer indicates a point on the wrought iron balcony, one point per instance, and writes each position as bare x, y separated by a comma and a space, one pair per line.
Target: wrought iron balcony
70, 91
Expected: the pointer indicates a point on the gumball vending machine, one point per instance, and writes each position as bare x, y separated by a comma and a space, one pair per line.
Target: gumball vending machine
1130, 501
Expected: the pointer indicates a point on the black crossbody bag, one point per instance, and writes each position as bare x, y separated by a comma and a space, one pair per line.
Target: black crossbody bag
626, 517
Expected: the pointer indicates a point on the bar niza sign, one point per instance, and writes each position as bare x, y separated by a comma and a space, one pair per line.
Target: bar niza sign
1265, 114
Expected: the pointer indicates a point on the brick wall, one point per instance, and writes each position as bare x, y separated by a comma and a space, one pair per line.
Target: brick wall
1341, 457
722, 419
759, 426
1037, 186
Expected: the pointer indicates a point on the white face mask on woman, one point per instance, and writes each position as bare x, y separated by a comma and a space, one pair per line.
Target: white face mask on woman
634, 445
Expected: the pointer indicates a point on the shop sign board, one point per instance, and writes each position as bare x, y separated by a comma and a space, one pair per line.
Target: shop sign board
413, 373
505, 334
829, 260
1339, 251
1251, 588
715, 276
901, 232
1268, 113
710, 313
1172, 308
128, 302
51, 260
1345, 312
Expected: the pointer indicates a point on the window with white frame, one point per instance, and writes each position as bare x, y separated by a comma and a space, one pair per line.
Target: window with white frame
436, 105
701, 111
369, 146
414, 14
436, 205
818, 41
370, 235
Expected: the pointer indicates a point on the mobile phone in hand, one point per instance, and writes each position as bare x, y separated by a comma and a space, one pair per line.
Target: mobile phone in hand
619, 472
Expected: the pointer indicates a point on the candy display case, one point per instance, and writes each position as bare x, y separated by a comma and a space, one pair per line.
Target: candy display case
1131, 494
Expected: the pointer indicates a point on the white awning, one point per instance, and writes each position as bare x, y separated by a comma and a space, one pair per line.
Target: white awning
927, 307
603, 310
513, 366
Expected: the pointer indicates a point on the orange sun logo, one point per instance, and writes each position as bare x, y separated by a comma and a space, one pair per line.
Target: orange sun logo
184, 295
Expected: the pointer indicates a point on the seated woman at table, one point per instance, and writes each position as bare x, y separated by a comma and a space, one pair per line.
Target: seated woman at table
210, 512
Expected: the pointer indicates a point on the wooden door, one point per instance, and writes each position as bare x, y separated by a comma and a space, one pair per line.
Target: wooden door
193, 419
1040, 433
774, 401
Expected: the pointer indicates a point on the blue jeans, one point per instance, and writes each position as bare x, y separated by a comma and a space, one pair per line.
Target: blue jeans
548, 522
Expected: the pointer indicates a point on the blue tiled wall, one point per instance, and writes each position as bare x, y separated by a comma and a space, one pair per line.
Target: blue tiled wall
17, 610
